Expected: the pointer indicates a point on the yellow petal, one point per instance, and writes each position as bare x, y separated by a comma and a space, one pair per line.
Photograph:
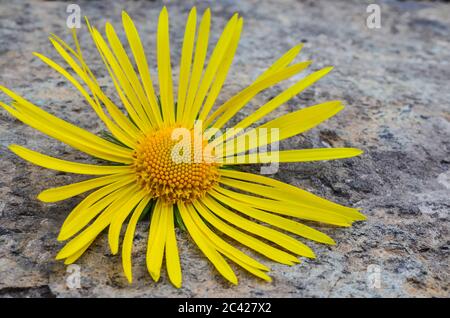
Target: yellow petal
75, 256
125, 132
233, 105
129, 236
119, 217
305, 117
186, 61
282, 62
63, 165
298, 155
172, 257
97, 195
289, 209
164, 68
216, 59
303, 155
141, 62
143, 107
280, 196
287, 125
275, 220
243, 238
46, 119
267, 233
97, 226
157, 239
86, 215
133, 107
74, 189
206, 246
199, 60
237, 256
252, 270
300, 195
61, 134
221, 245
222, 72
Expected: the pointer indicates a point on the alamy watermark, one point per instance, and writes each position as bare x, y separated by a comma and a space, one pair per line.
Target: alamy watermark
74, 18
373, 20
73, 280
2, 208
234, 146
373, 276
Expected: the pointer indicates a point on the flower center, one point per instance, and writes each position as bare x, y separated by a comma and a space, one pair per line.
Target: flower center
171, 165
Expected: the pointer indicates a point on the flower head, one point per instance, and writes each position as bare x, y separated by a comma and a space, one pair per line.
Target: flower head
169, 178
169, 162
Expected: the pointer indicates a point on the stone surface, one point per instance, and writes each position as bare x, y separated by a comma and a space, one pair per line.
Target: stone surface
393, 80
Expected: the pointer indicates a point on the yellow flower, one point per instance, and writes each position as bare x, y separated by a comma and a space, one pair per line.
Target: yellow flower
203, 194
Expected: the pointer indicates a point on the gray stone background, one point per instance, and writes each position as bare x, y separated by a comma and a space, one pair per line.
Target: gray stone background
393, 80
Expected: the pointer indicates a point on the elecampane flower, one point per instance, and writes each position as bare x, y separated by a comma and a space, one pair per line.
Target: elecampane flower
203, 196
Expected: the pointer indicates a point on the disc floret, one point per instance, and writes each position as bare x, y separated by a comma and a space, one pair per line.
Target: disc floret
161, 172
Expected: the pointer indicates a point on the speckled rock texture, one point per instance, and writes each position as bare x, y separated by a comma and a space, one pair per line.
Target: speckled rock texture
393, 81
